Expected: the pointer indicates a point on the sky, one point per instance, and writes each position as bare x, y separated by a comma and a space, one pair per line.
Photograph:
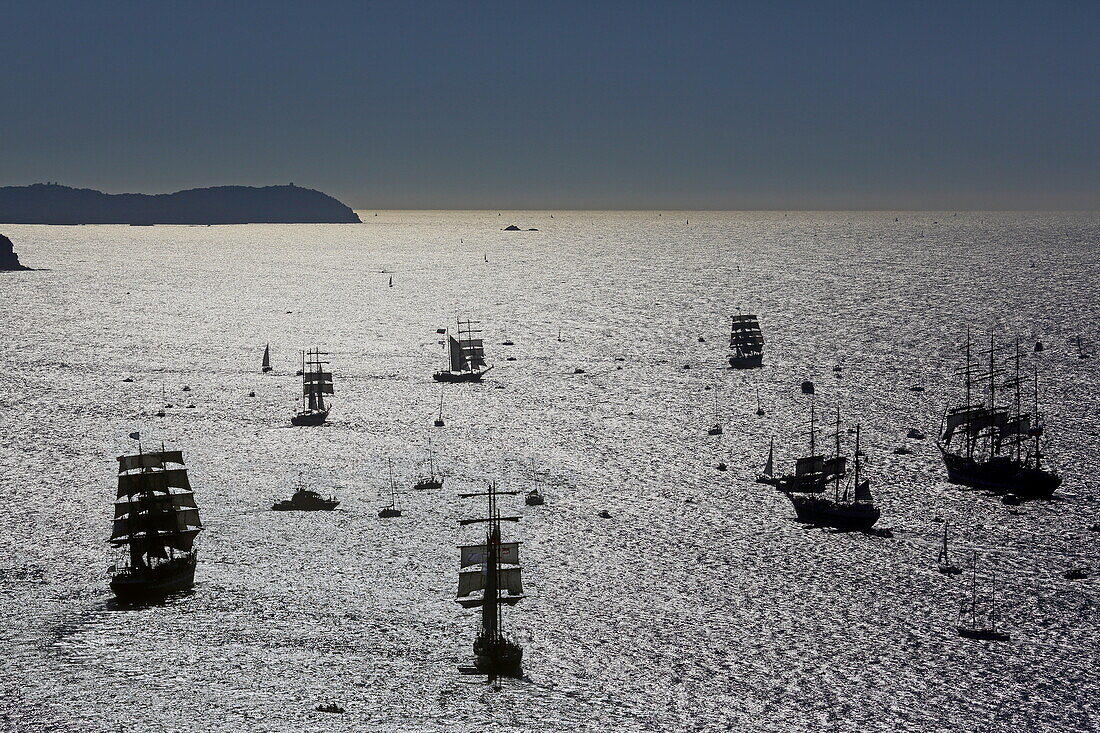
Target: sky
563, 105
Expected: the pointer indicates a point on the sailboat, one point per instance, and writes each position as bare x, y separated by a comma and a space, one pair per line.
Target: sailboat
157, 520
943, 562
316, 383
266, 367
1081, 353
970, 625
814, 472
840, 512
746, 342
390, 510
439, 419
305, 500
489, 577
767, 474
465, 355
759, 407
430, 481
717, 428
987, 446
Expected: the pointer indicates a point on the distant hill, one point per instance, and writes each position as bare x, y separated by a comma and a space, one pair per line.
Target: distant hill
52, 204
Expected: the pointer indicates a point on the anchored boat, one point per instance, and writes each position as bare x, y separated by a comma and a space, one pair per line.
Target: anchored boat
971, 625
305, 500
430, 481
266, 366
157, 520
489, 578
316, 383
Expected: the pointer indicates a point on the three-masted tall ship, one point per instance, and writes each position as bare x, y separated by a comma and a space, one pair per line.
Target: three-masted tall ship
851, 509
316, 383
489, 578
746, 342
996, 446
465, 355
157, 521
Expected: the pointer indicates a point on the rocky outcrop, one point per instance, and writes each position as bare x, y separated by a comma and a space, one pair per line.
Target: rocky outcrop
8, 259
54, 204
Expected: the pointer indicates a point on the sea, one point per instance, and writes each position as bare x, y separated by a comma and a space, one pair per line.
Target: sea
698, 605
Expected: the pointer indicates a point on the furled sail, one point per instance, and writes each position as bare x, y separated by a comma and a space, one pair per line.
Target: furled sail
507, 552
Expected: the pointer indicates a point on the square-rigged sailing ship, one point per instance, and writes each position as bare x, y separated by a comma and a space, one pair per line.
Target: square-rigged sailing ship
465, 355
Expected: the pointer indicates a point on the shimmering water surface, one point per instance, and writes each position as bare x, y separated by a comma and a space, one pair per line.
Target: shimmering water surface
700, 605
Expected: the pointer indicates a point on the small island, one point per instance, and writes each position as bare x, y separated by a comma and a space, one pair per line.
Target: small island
55, 204
9, 260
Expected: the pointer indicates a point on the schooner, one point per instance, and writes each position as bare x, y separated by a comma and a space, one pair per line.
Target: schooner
316, 383
157, 520
489, 577
465, 355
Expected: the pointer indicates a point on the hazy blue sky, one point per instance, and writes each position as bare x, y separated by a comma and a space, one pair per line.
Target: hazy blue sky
454, 104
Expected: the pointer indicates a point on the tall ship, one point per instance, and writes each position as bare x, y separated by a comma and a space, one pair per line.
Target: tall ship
996, 445
851, 509
489, 578
465, 355
812, 473
746, 342
316, 383
157, 521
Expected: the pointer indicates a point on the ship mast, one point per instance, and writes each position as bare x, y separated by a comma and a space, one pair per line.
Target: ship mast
836, 483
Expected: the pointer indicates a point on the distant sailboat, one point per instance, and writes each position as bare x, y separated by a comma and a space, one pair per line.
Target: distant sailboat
156, 519
390, 510
716, 429
970, 624
759, 407
943, 562
439, 419
266, 366
430, 481
1081, 353
391, 281
465, 355
767, 474
316, 383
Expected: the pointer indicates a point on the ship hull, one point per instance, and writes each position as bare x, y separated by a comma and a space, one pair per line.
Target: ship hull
290, 506
824, 512
498, 658
310, 417
982, 634
171, 577
1000, 475
746, 362
457, 376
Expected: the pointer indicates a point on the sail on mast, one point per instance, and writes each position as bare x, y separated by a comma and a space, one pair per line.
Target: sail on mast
155, 511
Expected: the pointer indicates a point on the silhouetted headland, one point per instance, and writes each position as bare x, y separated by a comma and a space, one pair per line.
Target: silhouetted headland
53, 204
8, 259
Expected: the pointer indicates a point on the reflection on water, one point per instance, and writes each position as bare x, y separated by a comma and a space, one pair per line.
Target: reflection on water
712, 614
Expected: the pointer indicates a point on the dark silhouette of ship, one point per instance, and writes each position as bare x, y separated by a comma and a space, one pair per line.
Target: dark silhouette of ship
316, 383
746, 342
431, 481
465, 355
157, 520
943, 561
812, 473
265, 366
305, 500
851, 509
992, 446
489, 578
